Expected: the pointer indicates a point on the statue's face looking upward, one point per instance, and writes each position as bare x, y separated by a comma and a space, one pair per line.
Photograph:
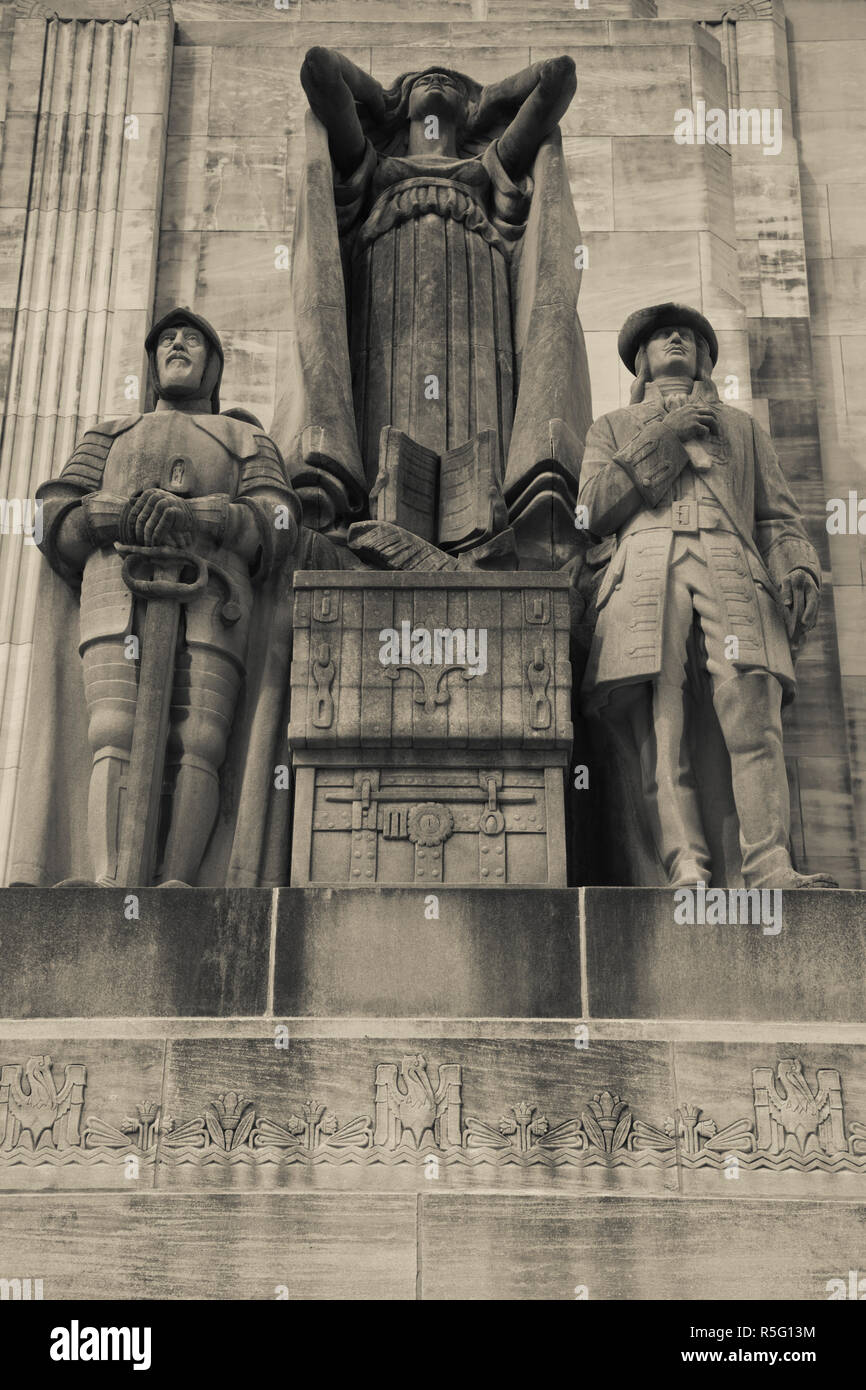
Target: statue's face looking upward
672, 352
436, 94
181, 356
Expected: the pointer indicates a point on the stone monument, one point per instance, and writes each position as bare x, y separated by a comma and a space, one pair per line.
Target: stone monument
161, 525
467, 721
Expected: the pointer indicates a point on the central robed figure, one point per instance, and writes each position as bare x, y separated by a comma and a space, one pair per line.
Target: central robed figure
429, 217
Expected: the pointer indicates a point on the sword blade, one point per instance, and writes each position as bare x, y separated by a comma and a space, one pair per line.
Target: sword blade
147, 760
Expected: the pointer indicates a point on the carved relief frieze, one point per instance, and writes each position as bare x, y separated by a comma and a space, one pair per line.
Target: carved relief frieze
418, 1111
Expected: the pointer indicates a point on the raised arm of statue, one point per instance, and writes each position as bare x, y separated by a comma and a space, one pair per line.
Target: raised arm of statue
333, 84
551, 85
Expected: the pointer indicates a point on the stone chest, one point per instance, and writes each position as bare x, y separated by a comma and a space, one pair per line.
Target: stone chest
431, 726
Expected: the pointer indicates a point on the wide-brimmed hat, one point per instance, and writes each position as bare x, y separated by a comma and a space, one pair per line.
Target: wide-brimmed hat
213, 371
644, 322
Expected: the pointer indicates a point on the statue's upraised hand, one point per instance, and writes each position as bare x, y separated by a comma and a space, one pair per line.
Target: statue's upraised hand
557, 75
325, 71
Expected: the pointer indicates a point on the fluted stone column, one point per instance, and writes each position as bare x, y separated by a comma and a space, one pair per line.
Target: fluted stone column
86, 151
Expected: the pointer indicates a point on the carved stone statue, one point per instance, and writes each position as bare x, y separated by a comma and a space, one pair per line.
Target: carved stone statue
435, 281
166, 522
712, 584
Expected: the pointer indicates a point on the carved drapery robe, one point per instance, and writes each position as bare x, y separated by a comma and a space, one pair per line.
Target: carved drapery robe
429, 242
531, 383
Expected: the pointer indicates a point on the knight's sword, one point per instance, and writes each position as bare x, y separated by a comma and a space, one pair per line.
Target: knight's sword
166, 577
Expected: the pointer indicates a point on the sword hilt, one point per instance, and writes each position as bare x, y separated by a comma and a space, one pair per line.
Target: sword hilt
161, 585
177, 589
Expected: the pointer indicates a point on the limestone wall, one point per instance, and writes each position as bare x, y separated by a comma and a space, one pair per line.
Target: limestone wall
827, 52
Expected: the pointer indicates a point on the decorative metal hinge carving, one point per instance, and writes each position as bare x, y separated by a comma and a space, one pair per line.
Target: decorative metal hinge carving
538, 676
323, 671
431, 677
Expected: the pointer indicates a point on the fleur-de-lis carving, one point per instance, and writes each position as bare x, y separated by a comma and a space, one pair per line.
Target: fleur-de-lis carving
430, 695
687, 1126
607, 1121
229, 1120
526, 1125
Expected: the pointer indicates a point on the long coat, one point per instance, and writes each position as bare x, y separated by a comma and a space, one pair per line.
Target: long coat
752, 534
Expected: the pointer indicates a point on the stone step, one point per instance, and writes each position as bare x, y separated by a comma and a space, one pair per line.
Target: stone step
542, 953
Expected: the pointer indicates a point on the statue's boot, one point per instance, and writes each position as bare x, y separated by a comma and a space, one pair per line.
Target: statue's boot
194, 807
749, 708
104, 816
790, 878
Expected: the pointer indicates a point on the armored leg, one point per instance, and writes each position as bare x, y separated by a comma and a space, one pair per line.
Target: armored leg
203, 702
111, 689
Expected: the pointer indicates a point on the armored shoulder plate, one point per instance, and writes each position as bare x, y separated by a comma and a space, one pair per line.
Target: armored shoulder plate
265, 468
87, 464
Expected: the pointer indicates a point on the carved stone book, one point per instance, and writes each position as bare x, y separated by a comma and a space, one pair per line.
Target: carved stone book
450, 500
468, 491
407, 484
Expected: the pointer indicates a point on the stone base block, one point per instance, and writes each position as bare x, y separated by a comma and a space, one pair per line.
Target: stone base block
241, 1125
427, 951
440, 1246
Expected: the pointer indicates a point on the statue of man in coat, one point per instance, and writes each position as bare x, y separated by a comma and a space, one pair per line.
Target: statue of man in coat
712, 579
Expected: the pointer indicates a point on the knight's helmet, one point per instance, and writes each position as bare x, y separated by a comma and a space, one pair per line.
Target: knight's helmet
210, 385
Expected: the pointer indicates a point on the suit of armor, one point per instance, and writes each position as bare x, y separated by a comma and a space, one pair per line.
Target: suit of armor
232, 480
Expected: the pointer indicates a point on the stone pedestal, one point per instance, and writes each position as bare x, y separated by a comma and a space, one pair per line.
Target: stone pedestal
431, 725
314, 1089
